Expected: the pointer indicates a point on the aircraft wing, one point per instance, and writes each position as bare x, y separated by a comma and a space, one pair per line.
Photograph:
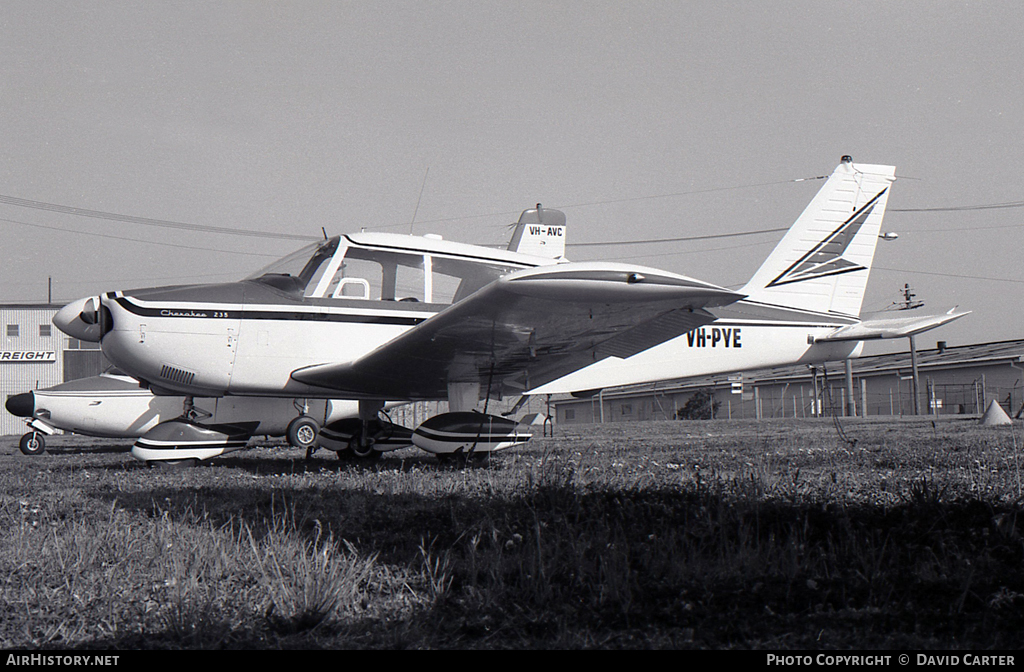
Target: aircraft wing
526, 329
891, 325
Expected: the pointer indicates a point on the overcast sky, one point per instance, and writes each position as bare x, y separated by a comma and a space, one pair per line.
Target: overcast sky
638, 119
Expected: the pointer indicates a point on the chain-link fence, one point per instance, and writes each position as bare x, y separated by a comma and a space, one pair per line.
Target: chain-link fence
870, 397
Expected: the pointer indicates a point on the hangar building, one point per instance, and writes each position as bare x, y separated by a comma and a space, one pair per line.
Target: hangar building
35, 354
962, 379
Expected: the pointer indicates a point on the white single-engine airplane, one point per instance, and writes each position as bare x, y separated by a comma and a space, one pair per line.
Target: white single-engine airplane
379, 318
114, 405
383, 318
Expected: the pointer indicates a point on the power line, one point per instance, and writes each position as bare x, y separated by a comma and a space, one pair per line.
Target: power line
134, 240
952, 275
146, 221
964, 228
678, 240
964, 208
696, 191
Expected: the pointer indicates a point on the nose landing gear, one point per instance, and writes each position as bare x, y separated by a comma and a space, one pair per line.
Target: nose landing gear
32, 444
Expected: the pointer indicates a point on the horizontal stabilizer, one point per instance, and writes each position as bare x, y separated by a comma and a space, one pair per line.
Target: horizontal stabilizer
888, 326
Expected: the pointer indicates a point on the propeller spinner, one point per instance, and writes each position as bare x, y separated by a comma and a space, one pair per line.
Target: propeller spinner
85, 319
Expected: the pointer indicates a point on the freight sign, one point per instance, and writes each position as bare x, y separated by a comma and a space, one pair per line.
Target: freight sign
45, 356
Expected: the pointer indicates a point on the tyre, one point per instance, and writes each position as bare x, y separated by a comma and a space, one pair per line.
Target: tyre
363, 452
32, 443
303, 432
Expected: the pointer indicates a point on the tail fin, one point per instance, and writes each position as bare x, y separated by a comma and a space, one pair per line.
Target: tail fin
823, 261
540, 232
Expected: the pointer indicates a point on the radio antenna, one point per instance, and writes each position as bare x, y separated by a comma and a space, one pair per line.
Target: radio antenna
418, 200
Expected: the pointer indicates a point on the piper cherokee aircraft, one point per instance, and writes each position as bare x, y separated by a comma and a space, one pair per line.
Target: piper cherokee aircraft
379, 318
114, 405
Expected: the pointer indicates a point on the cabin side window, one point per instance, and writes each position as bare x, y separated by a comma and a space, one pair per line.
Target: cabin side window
455, 279
373, 275
386, 275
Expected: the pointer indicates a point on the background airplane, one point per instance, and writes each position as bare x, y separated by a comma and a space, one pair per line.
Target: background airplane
115, 405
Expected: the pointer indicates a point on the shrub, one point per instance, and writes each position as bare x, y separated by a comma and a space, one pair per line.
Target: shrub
701, 406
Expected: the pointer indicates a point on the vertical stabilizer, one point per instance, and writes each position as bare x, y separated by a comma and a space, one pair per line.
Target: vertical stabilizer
823, 261
540, 232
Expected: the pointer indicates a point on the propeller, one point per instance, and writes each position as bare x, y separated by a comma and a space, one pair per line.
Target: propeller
89, 315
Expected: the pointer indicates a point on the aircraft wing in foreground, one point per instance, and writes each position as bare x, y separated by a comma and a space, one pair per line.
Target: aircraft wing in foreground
524, 329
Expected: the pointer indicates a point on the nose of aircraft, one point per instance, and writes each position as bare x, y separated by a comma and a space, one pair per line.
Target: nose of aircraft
21, 405
81, 319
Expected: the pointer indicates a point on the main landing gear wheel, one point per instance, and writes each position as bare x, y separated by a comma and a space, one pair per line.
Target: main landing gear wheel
363, 448
303, 432
359, 448
32, 443
363, 441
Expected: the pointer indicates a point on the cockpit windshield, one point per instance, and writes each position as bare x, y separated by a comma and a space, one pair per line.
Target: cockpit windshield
295, 272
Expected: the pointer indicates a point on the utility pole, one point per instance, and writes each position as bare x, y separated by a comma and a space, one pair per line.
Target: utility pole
910, 304
815, 408
851, 402
908, 299
913, 368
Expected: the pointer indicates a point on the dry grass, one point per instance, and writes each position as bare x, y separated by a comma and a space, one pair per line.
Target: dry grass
703, 534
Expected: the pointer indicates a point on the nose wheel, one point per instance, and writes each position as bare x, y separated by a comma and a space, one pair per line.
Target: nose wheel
32, 444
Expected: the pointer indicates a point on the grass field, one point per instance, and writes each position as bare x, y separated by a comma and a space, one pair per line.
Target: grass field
704, 534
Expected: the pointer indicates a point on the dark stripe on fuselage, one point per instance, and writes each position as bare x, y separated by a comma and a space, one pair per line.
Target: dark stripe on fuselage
756, 311
754, 323
461, 437
185, 444
303, 316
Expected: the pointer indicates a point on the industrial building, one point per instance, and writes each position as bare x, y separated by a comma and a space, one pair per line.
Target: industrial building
35, 354
951, 380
